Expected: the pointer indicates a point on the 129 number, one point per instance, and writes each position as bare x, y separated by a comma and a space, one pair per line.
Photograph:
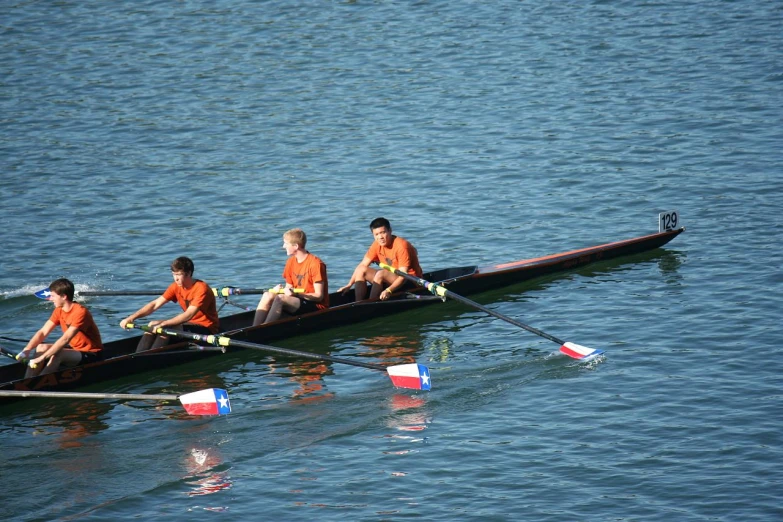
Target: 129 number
668, 221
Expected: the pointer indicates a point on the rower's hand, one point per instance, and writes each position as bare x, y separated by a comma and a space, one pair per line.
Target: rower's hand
344, 290
22, 356
124, 323
35, 362
386, 294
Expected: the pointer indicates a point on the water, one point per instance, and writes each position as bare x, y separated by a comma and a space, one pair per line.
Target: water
134, 133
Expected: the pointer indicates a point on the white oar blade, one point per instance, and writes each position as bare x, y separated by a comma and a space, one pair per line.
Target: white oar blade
412, 376
577, 351
213, 401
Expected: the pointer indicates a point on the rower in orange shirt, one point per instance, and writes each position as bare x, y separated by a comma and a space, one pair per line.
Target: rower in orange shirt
196, 298
390, 249
80, 343
306, 283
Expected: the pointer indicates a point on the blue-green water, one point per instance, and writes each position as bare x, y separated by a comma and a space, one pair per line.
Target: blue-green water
135, 132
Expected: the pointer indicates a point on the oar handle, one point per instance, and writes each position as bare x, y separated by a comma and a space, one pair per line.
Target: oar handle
444, 292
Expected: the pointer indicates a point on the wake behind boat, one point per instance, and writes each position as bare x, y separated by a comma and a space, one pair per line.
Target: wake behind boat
120, 359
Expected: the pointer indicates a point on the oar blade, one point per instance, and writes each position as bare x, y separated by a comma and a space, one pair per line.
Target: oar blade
213, 401
44, 293
577, 351
412, 376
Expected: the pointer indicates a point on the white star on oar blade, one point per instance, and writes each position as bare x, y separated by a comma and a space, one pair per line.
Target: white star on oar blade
425, 378
223, 401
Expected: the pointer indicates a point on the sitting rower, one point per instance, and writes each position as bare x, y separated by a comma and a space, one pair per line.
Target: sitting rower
306, 284
196, 298
80, 342
387, 248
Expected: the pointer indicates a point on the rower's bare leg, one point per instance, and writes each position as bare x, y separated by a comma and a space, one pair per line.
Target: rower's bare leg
275, 311
65, 356
33, 372
263, 308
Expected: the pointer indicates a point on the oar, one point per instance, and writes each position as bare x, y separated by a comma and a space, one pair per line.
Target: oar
223, 291
414, 376
8, 353
571, 349
212, 401
14, 339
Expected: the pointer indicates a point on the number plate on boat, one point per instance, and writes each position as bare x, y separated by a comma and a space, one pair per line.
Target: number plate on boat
668, 221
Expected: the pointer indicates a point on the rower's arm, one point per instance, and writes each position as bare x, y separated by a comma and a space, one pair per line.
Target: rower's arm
39, 336
145, 310
398, 282
60, 343
366, 262
182, 318
318, 295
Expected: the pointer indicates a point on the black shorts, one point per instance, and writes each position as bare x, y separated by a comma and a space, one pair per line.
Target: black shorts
305, 306
91, 357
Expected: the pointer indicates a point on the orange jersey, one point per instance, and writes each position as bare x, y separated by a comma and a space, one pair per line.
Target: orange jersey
199, 295
305, 274
400, 253
88, 339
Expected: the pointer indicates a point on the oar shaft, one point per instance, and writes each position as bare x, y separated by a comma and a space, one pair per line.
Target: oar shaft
78, 395
8, 353
445, 292
14, 339
218, 340
223, 291
94, 293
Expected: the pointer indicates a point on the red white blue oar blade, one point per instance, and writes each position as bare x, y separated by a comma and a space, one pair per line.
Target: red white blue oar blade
213, 401
413, 376
577, 351
44, 294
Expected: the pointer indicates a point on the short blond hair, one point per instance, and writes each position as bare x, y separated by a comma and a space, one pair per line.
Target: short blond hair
296, 236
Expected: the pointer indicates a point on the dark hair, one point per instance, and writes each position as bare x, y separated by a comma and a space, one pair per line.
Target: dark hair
183, 264
62, 287
380, 222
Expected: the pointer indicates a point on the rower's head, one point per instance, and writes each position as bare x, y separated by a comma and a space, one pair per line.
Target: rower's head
381, 230
295, 236
63, 288
182, 270
380, 222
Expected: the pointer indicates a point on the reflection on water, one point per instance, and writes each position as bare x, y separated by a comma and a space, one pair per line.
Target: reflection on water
395, 349
308, 376
200, 465
669, 264
409, 413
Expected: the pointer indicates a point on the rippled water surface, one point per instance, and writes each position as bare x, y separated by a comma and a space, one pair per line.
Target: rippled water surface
132, 133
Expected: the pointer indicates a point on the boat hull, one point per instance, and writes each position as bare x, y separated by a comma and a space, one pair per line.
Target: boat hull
120, 359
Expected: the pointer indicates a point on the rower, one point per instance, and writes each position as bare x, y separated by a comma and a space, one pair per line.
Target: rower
306, 283
387, 248
199, 309
80, 342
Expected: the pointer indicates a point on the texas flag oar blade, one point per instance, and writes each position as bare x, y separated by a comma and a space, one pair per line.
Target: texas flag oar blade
577, 351
414, 376
44, 294
213, 401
